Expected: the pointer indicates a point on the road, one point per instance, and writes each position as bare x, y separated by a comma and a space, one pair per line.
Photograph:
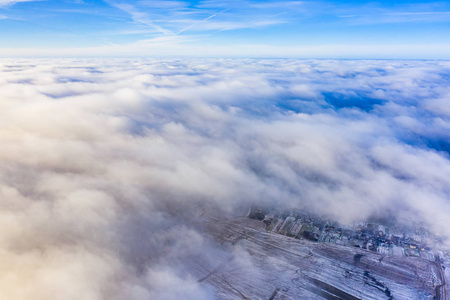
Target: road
441, 289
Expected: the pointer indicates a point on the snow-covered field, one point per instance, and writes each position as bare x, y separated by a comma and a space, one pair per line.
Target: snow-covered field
261, 264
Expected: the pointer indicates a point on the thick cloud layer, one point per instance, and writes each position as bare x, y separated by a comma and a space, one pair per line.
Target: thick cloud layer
106, 164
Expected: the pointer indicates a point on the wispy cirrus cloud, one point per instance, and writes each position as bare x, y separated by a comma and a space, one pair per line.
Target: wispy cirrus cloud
203, 20
140, 17
11, 2
176, 17
165, 4
292, 28
374, 14
170, 17
396, 17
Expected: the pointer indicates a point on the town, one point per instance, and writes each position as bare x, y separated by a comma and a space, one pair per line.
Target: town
392, 241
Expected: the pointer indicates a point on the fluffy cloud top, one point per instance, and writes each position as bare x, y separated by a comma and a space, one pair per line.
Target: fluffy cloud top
104, 164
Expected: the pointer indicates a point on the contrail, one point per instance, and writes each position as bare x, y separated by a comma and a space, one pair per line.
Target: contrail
138, 16
195, 24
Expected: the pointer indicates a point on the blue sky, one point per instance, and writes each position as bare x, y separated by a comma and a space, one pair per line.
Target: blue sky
248, 28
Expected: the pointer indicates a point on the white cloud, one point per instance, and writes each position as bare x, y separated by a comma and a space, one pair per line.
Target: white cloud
106, 162
11, 2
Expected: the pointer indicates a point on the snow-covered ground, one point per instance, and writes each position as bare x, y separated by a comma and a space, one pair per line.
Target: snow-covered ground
256, 264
